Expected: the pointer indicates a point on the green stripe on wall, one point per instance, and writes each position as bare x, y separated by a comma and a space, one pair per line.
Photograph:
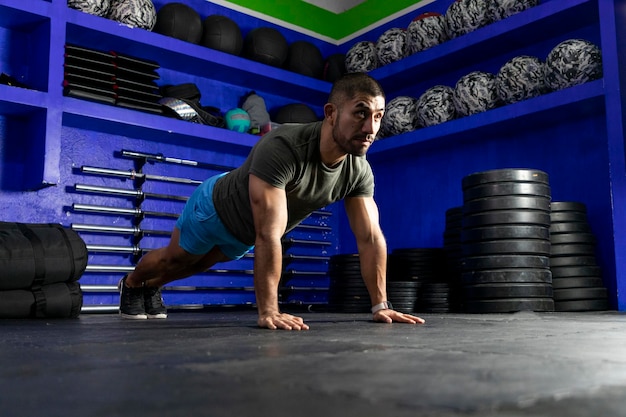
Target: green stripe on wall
323, 22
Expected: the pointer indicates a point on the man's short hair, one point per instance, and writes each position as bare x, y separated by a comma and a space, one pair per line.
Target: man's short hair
351, 84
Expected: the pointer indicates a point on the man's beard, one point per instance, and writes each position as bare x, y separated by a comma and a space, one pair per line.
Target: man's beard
348, 145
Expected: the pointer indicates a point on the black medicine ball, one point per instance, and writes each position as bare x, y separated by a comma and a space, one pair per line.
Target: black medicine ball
179, 21
306, 59
295, 113
334, 67
222, 33
266, 45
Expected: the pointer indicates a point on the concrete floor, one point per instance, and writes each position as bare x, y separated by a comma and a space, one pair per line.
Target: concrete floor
220, 364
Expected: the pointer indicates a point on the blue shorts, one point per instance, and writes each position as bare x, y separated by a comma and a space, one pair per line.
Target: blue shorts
201, 229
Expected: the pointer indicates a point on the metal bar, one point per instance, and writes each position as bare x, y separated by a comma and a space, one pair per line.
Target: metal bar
118, 229
322, 213
306, 242
292, 288
202, 288
137, 212
292, 272
109, 268
134, 250
99, 288
126, 192
88, 288
306, 257
314, 227
120, 268
171, 160
132, 174
99, 309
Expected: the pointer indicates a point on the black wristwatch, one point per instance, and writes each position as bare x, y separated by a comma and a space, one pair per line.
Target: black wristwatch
382, 306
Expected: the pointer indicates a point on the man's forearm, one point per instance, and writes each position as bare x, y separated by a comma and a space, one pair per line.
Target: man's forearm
373, 256
267, 271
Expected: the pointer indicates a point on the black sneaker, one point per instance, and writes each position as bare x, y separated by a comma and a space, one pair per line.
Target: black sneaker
131, 302
153, 303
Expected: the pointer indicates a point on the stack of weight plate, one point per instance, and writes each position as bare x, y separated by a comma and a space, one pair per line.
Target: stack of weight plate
506, 241
453, 253
576, 276
111, 78
424, 269
135, 85
347, 292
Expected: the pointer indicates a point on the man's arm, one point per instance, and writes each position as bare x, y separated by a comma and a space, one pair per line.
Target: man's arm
364, 222
269, 209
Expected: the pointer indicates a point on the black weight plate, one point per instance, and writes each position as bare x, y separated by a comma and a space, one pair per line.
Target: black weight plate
504, 175
352, 269
577, 282
342, 288
417, 251
504, 262
582, 305
454, 211
348, 270
502, 291
575, 271
590, 293
358, 292
517, 275
573, 250
573, 261
514, 202
353, 309
506, 189
560, 238
346, 278
403, 285
568, 206
435, 310
401, 297
431, 302
404, 307
345, 256
344, 265
513, 247
569, 227
507, 217
509, 305
568, 216
505, 232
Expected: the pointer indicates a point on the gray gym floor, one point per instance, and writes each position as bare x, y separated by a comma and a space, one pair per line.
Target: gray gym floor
218, 363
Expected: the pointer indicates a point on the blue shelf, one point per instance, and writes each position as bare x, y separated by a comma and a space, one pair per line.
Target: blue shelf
171, 53
16, 14
135, 124
568, 104
20, 101
540, 23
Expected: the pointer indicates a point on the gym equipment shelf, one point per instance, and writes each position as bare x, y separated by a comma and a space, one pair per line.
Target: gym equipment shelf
548, 19
177, 55
119, 121
555, 107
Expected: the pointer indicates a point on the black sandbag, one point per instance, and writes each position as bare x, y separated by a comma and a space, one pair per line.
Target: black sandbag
33, 255
60, 300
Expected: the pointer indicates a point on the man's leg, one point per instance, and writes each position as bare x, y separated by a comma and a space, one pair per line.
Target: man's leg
157, 268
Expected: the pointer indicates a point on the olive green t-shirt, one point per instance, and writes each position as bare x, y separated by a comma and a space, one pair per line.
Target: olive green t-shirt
289, 158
